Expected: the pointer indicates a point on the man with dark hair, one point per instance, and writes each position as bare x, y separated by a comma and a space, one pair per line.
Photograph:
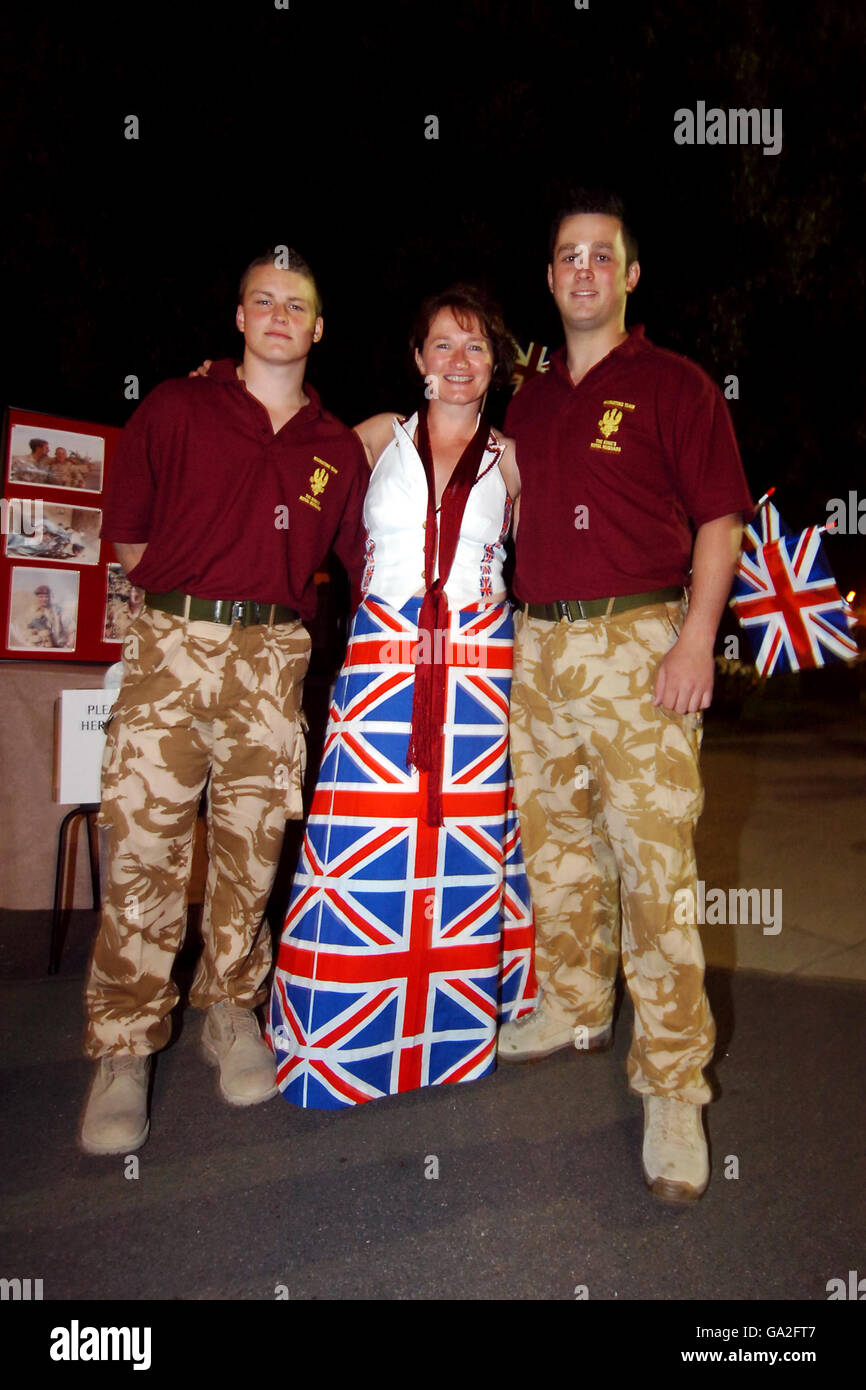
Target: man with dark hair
33, 467
602, 202
630, 474
224, 499
467, 303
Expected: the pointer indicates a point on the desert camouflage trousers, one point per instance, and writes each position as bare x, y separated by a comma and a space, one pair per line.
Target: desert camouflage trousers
609, 793
200, 704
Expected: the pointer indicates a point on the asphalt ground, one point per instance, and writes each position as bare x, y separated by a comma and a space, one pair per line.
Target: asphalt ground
523, 1186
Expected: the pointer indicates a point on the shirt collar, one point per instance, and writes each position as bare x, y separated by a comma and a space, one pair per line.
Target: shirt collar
225, 371
315, 406
634, 343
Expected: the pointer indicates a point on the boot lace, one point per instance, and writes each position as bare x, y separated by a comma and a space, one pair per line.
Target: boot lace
673, 1123
124, 1063
239, 1022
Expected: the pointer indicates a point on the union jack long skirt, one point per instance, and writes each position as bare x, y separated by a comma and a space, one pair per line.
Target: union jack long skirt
404, 943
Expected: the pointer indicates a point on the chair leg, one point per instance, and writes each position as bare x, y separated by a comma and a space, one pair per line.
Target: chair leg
58, 924
60, 913
93, 850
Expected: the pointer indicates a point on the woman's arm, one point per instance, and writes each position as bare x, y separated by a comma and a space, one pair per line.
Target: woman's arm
375, 434
508, 465
508, 469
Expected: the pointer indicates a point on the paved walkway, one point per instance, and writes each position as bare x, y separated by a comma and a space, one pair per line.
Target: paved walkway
786, 814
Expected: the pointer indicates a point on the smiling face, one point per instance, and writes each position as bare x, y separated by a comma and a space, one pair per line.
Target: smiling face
588, 277
458, 357
278, 315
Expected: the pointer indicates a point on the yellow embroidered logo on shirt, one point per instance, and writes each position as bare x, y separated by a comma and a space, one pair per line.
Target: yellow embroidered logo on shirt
318, 482
609, 424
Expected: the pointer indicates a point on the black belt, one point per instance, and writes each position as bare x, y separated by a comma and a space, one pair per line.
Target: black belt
575, 608
245, 611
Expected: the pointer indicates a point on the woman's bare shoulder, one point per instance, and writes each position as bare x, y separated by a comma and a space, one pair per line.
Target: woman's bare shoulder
375, 433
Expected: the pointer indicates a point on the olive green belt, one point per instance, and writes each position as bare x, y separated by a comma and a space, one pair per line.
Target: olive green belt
220, 610
575, 608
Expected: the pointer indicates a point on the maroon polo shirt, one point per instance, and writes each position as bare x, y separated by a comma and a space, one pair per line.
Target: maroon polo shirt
644, 443
228, 508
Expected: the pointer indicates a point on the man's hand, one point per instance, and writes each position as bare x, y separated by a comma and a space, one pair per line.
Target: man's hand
204, 368
684, 683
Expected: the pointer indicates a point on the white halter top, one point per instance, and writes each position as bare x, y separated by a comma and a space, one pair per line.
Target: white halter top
395, 510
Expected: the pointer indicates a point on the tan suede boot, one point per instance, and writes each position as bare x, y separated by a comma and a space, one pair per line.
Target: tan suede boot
114, 1120
231, 1040
676, 1164
542, 1033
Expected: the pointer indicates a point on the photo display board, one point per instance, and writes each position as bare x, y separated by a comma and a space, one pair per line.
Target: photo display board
63, 596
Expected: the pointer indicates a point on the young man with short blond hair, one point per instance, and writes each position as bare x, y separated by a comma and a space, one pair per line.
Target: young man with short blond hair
224, 499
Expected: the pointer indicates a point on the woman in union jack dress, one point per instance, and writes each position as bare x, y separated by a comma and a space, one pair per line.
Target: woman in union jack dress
409, 930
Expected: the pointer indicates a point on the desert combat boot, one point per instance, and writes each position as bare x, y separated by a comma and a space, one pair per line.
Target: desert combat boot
231, 1040
542, 1033
115, 1114
676, 1164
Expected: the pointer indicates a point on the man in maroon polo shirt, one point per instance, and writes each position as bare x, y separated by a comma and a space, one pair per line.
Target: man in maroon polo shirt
632, 497
225, 497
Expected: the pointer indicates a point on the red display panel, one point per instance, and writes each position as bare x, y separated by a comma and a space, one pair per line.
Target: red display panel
63, 597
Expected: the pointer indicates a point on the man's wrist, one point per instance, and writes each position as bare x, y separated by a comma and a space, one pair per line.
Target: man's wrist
697, 633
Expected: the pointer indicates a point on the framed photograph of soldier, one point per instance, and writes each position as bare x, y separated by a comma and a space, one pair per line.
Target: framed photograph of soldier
43, 610
58, 601
55, 458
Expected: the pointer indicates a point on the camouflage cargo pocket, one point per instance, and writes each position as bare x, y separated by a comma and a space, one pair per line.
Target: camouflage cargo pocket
291, 642
293, 765
692, 723
152, 642
677, 789
111, 772
675, 616
674, 786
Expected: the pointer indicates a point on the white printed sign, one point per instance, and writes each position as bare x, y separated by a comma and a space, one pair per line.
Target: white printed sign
80, 741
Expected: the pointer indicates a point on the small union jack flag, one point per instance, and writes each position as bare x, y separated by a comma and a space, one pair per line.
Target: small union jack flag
767, 526
787, 600
529, 364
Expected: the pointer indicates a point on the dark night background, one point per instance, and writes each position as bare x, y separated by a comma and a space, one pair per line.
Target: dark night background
306, 126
